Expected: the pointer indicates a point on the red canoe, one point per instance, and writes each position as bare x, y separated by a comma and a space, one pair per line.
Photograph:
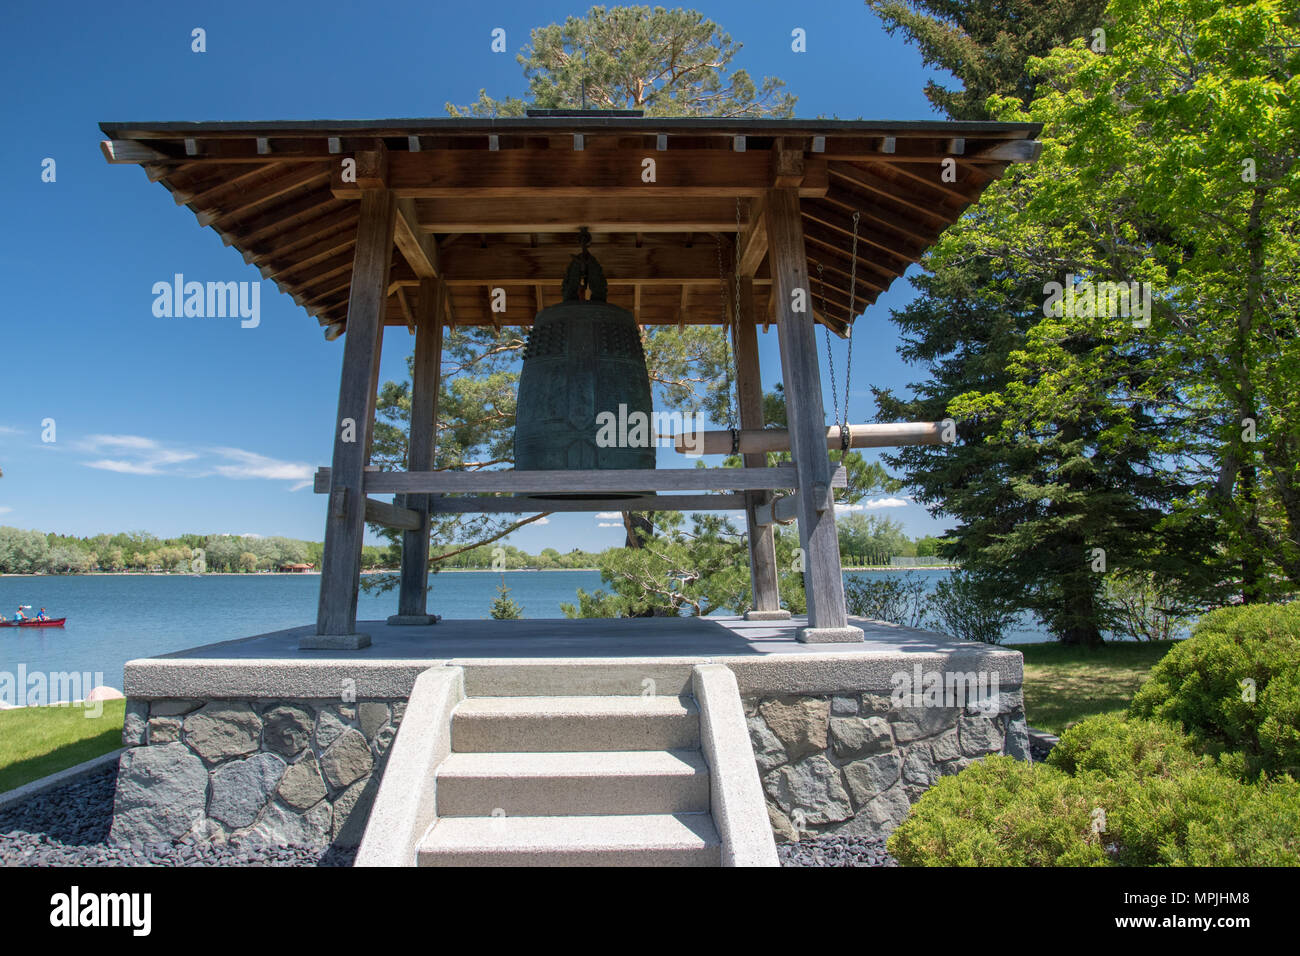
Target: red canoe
32, 622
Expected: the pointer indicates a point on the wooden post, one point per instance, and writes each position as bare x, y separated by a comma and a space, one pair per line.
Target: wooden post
420, 446
762, 538
822, 576
336, 616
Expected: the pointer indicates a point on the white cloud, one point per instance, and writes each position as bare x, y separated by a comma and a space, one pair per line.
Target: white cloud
610, 524
248, 464
136, 442
138, 455
10, 430
5, 509
606, 515
541, 521
124, 467
873, 505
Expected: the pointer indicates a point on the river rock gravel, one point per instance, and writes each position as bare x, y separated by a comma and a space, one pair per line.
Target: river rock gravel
835, 851
68, 826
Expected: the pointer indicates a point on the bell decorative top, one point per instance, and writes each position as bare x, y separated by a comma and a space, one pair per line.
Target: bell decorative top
584, 272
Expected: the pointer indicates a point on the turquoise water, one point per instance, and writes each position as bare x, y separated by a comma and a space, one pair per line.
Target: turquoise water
116, 618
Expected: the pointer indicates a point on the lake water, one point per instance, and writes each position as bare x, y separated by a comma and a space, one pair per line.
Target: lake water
116, 618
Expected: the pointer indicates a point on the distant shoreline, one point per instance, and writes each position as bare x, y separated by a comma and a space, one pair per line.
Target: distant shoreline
255, 574
305, 574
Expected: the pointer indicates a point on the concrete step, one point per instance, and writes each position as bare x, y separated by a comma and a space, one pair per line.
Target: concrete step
544, 784
679, 839
566, 724
582, 678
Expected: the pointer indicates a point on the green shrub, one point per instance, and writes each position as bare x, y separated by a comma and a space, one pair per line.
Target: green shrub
1161, 803
1111, 745
964, 607
1000, 812
1234, 685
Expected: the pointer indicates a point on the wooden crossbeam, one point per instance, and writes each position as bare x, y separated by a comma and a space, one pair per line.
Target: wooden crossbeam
596, 481
600, 214
391, 516
528, 172
464, 264
483, 504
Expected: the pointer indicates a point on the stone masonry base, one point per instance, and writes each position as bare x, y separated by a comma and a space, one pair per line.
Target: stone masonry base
854, 764
302, 772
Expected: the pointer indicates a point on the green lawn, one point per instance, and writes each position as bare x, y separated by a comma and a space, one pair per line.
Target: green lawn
36, 741
1065, 684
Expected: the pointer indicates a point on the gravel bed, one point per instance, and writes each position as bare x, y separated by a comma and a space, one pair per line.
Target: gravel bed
68, 826
835, 851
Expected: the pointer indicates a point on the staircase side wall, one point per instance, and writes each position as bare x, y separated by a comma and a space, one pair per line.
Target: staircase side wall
854, 763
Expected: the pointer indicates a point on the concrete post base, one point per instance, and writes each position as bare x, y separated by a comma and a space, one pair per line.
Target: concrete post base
412, 619
830, 635
778, 615
333, 642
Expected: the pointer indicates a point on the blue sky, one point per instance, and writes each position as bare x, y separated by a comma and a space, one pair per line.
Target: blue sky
172, 424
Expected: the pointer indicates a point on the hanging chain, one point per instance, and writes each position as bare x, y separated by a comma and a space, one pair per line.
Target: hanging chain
830, 356
731, 398
842, 422
853, 312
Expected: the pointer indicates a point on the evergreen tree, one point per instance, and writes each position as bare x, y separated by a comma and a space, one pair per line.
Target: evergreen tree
504, 608
665, 62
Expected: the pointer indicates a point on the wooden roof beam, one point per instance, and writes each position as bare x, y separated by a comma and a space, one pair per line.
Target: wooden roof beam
280, 242
465, 264
251, 198
524, 173
753, 240
600, 214
933, 208
418, 248
934, 181
902, 240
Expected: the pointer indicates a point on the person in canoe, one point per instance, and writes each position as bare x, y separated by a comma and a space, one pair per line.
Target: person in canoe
42, 616
19, 615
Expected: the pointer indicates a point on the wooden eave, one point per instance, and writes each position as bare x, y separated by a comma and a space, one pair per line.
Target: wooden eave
497, 203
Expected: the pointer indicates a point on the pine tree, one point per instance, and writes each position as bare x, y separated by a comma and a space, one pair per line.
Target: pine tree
504, 608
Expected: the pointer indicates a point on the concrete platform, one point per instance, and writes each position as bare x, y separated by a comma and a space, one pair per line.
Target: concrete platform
540, 657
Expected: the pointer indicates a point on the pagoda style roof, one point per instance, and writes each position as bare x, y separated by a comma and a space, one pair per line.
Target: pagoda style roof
486, 204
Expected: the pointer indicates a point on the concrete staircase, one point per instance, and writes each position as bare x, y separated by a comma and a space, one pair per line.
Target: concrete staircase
573, 780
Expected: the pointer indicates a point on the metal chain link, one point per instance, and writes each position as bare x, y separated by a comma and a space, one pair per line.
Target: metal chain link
731, 397
830, 357
853, 311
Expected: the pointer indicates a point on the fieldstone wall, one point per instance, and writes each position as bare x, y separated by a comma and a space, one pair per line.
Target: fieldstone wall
300, 772
855, 763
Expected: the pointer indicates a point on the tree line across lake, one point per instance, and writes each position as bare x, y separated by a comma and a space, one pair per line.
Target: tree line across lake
864, 540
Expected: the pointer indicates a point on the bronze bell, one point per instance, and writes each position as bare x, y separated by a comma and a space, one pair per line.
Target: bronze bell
584, 370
